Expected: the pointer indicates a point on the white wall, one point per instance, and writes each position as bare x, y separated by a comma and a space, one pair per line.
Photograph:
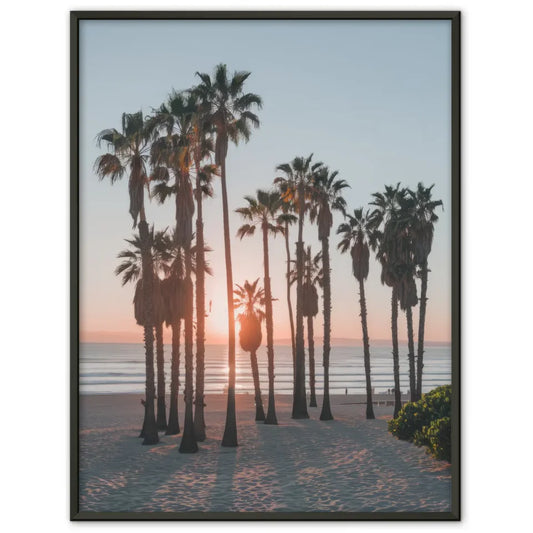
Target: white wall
497, 188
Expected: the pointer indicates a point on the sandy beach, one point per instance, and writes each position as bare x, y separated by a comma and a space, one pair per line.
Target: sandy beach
349, 464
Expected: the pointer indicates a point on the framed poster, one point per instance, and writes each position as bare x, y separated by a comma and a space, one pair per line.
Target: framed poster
265, 265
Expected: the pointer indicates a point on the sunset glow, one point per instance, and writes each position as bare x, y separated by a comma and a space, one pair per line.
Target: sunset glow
370, 149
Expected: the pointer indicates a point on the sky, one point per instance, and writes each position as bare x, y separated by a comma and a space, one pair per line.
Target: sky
370, 99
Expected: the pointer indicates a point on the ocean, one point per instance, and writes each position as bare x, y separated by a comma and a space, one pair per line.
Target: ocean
107, 368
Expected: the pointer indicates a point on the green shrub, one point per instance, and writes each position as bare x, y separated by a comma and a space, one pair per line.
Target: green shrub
427, 422
439, 437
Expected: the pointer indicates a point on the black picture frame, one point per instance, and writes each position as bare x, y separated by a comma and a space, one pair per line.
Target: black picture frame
455, 18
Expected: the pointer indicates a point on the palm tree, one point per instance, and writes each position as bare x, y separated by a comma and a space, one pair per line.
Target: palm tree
383, 241
294, 186
161, 257
423, 217
128, 154
327, 197
355, 237
286, 219
202, 147
408, 299
203, 188
174, 299
185, 115
262, 212
173, 153
406, 269
313, 277
174, 304
228, 109
130, 269
251, 299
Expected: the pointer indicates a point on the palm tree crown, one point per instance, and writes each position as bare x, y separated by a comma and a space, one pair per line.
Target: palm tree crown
422, 217
297, 180
250, 299
385, 223
227, 107
128, 151
356, 236
172, 153
131, 270
326, 191
261, 210
131, 266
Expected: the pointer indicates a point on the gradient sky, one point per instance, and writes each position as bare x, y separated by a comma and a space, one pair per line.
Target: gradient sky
369, 98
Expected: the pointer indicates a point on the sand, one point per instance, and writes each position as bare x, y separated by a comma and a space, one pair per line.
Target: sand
349, 464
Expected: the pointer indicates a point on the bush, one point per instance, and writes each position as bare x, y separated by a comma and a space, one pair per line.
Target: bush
439, 436
427, 422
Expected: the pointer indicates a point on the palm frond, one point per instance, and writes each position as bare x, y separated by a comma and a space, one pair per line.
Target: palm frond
246, 230
162, 191
109, 165
160, 173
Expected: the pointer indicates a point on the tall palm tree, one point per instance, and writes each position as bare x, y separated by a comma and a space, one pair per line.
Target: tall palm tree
202, 148
313, 277
286, 219
174, 299
251, 299
161, 257
355, 237
327, 197
262, 212
295, 187
228, 110
203, 188
130, 269
423, 218
408, 299
406, 269
174, 303
383, 240
128, 153
172, 152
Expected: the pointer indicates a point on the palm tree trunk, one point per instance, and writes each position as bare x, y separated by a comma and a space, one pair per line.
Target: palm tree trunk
230, 430
411, 355
188, 441
160, 358
395, 352
366, 350
149, 431
259, 413
199, 422
289, 303
311, 347
271, 411
299, 404
173, 427
326, 408
421, 329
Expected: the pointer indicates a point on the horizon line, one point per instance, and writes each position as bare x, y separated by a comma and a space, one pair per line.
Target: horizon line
113, 335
